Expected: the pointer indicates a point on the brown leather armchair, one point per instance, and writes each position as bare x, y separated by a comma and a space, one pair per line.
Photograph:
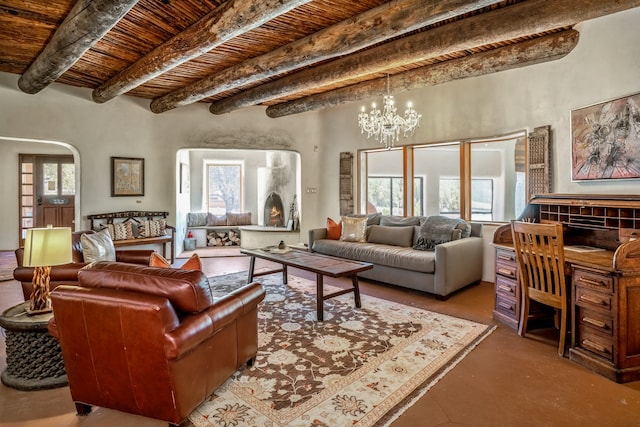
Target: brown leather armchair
151, 341
69, 272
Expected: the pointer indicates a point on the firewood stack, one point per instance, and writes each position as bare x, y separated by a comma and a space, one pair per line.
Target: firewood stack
219, 238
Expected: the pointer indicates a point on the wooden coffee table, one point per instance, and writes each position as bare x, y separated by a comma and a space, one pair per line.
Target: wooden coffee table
322, 265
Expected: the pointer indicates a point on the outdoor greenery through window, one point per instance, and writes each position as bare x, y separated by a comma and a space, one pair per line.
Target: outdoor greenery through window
386, 195
481, 198
224, 188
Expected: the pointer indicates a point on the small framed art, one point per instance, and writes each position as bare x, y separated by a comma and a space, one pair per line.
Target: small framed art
127, 176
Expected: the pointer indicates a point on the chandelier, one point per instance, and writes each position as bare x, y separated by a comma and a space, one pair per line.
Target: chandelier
386, 125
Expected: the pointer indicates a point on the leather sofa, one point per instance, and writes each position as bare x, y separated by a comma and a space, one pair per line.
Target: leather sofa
151, 341
69, 272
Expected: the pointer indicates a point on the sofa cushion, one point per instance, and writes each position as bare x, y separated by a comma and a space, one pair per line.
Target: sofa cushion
353, 229
187, 290
197, 219
98, 247
216, 220
399, 221
440, 229
376, 253
396, 236
334, 229
243, 218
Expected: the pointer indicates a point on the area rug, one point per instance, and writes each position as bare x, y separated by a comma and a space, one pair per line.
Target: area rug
360, 367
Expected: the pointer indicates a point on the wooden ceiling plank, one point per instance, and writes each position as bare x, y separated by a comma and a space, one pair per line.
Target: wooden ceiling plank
525, 53
519, 20
85, 24
233, 18
389, 20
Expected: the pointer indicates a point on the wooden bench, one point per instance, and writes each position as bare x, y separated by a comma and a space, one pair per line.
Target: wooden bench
101, 220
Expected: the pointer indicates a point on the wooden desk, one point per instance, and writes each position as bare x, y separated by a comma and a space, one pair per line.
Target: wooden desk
605, 286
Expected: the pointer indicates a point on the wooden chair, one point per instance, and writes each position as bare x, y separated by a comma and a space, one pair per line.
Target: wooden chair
540, 255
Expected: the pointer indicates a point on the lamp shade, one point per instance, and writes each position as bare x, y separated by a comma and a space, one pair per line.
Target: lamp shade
47, 246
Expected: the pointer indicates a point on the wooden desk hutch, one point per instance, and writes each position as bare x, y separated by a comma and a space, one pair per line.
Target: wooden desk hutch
605, 285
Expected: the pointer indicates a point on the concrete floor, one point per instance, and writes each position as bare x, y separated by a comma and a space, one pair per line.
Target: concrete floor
506, 381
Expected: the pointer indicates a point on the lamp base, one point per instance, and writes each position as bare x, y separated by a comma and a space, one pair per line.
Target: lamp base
40, 291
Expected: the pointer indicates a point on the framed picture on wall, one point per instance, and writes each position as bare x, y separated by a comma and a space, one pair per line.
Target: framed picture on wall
605, 140
127, 176
184, 178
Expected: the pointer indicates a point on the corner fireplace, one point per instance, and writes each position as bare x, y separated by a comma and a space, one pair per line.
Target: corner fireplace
273, 211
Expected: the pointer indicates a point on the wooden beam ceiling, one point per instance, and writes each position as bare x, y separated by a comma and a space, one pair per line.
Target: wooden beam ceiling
289, 55
88, 22
233, 18
376, 25
525, 53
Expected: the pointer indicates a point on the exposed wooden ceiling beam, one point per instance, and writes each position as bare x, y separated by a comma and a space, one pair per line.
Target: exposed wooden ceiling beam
85, 24
224, 23
519, 20
389, 20
529, 52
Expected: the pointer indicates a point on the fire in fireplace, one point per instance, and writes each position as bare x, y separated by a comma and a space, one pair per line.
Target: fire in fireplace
273, 211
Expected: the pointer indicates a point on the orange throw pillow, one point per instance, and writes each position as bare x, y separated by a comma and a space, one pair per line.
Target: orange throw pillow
192, 263
334, 229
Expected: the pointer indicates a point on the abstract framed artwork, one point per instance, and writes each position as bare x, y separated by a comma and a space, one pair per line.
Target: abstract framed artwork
127, 176
605, 140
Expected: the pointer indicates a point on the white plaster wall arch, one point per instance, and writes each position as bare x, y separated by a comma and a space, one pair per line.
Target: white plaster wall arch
76, 162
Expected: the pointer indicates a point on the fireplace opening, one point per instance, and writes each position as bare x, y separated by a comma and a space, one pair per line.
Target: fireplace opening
273, 211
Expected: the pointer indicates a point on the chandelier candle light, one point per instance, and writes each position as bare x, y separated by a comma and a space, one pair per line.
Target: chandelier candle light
386, 125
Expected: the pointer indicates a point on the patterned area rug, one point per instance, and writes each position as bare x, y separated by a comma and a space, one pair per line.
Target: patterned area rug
360, 367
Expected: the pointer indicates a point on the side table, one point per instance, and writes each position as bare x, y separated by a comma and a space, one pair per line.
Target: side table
34, 359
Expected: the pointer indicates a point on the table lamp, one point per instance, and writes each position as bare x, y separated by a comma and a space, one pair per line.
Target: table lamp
43, 248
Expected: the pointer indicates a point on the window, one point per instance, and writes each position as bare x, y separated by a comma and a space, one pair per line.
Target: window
386, 195
481, 198
224, 188
480, 179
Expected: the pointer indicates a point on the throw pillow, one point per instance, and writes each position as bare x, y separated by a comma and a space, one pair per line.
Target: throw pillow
334, 229
372, 219
243, 218
152, 228
197, 219
192, 263
436, 230
97, 247
353, 229
121, 231
396, 236
399, 221
216, 220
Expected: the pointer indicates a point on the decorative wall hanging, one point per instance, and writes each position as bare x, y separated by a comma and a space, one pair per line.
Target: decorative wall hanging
127, 176
605, 140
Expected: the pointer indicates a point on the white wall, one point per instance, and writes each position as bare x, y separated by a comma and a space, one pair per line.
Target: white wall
604, 65
125, 127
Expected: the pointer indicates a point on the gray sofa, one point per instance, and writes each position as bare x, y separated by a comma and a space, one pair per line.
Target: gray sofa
451, 266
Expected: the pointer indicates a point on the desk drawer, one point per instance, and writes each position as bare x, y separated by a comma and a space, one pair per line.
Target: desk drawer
592, 280
507, 306
506, 256
506, 287
591, 319
591, 299
593, 342
506, 269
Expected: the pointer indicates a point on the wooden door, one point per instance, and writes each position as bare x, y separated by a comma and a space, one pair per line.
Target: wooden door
55, 191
